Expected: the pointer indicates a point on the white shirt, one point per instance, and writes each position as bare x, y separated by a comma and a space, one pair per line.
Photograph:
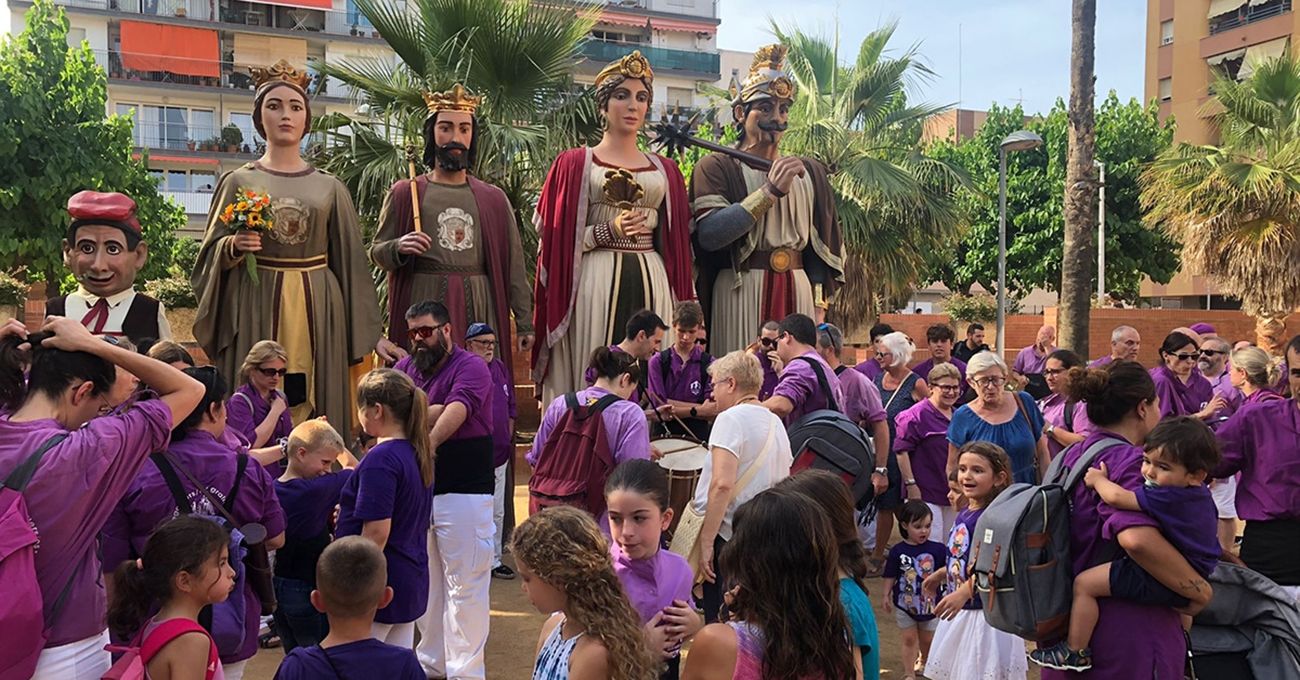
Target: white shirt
742, 431
78, 304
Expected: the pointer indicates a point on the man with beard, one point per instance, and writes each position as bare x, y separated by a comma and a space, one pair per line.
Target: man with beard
768, 236
105, 250
461, 245
454, 628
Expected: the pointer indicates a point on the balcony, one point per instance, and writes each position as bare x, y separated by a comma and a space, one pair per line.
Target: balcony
231, 76
705, 64
194, 202
178, 136
1248, 15
238, 15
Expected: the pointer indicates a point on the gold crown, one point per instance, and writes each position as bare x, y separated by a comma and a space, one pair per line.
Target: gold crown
282, 71
633, 65
455, 99
766, 77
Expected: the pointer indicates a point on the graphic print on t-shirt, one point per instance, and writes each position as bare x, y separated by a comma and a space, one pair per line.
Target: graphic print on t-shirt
914, 570
958, 551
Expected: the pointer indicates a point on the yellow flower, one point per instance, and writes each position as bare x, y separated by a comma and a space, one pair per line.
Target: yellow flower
242, 206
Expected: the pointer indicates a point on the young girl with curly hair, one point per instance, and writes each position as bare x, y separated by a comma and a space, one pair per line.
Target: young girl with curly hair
594, 632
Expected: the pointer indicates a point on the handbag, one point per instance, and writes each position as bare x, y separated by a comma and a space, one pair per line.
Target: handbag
686, 538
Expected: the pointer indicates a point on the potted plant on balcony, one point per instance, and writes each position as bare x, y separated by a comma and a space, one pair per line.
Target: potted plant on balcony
191, 144
212, 144
13, 296
353, 30
231, 137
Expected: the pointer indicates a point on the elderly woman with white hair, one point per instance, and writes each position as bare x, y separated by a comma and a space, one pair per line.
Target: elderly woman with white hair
1009, 419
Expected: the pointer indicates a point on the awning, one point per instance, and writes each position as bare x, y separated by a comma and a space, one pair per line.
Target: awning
608, 17
184, 160
307, 4
680, 25
264, 50
1226, 56
1255, 54
174, 49
1218, 7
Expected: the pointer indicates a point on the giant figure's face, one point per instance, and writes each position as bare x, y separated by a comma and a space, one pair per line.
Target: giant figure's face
453, 134
100, 260
766, 120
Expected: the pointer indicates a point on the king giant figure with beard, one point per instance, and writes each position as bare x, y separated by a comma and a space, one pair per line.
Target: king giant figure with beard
458, 243
769, 236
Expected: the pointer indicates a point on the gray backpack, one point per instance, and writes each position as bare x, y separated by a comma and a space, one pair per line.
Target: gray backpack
1022, 569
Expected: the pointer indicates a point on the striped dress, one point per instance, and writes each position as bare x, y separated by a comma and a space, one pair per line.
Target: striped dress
553, 657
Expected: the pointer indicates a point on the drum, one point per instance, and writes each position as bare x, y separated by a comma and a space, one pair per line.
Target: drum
683, 460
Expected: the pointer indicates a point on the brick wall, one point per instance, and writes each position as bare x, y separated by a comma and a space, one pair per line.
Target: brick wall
1154, 324
1021, 330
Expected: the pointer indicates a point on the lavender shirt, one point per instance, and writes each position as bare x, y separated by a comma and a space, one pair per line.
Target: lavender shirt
770, 377
464, 378
1188, 518
1223, 387
1160, 650
503, 411
687, 381
148, 503
589, 376
1178, 398
800, 385
1102, 362
922, 431
861, 397
242, 419
922, 369
1029, 361
870, 368
653, 583
1259, 441
625, 426
74, 490
1053, 408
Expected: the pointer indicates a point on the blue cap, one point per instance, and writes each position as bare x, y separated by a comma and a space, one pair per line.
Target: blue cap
477, 329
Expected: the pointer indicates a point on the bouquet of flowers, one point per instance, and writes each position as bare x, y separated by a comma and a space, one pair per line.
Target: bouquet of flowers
250, 211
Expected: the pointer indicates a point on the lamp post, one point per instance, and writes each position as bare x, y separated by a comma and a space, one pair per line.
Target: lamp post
1020, 140
1101, 231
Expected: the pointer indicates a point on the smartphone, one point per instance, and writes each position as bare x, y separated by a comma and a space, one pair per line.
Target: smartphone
295, 388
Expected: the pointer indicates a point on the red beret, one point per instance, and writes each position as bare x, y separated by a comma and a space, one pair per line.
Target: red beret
106, 208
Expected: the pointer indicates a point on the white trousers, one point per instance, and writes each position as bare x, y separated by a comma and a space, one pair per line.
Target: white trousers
499, 513
398, 634
80, 660
234, 671
454, 628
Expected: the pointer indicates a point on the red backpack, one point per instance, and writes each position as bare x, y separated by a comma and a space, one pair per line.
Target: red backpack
575, 460
134, 663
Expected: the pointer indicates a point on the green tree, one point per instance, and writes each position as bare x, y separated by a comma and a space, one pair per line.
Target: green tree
55, 141
1235, 206
1129, 136
895, 203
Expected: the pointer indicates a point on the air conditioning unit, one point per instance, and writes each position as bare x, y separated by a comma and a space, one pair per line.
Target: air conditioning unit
1166, 41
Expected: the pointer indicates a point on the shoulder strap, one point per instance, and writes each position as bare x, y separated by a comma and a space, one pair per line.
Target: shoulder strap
604, 402
203, 489
821, 380
240, 467
251, 411
173, 482
22, 475
666, 365
1020, 406
746, 478
1068, 478
170, 630
1068, 414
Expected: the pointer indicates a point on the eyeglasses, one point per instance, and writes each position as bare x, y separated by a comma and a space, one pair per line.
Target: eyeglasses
1211, 352
273, 372
767, 342
423, 332
484, 343
1054, 371
949, 388
993, 381
781, 335
1295, 373
1192, 356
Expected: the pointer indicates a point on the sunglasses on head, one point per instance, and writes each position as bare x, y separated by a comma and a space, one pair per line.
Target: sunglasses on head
273, 372
423, 332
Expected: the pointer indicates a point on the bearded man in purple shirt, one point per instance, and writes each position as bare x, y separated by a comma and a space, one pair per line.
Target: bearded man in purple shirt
764, 347
458, 383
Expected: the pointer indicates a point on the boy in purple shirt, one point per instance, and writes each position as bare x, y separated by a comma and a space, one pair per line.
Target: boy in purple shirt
801, 390
351, 585
679, 375
1178, 456
940, 338
482, 340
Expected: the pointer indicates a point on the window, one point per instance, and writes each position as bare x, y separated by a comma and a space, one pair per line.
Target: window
356, 18
1166, 32
76, 36
177, 180
1166, 88
244, 121
681, 96
203, 180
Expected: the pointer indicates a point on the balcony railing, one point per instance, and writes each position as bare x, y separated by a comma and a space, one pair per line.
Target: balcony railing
179, 136
237, 13
661, 58
230, 76
194, 202
1249, 15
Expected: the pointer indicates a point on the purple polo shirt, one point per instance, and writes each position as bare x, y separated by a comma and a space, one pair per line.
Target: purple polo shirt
367, 658
1053, 408
70, 497
686, 381
861, 397
625, 426
923, 369
770, 376
387, 485
922, 431
1102, 362
148, 503
638, 396
308, 506
1178, 398
1093, 527
799, 384
463, 377
653, 583
870, 368
1029, 361
245, 421
1259, 441
1188, 518
1223, 387
503, 411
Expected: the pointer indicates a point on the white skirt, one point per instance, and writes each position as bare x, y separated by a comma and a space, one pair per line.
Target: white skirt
968, 648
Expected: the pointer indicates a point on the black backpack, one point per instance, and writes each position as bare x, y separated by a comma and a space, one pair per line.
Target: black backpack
828, 440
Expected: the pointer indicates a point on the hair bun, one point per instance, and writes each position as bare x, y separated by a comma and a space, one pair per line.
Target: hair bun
1087, 384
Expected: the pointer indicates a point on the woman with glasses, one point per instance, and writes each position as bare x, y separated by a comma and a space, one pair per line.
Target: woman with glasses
1065, 421
1009, 419
899, 388
1182, 389
922, 445
258, 410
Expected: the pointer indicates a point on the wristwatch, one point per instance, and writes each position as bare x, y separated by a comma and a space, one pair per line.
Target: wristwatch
910, 482
695, 412
1048, 429
882, 471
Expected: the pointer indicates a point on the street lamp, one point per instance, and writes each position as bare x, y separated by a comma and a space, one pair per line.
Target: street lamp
1020, 140
1101, 232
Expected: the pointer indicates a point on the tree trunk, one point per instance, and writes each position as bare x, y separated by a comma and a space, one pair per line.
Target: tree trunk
1270, 332
1080, 253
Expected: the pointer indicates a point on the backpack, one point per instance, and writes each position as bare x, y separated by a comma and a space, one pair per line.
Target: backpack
225, 621
1023, 570
828, 440
575, 460
22, 616
134, 662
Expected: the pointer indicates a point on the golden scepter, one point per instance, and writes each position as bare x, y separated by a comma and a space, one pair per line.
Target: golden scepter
415, 189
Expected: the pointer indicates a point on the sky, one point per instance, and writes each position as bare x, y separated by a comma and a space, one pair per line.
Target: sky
1011, 50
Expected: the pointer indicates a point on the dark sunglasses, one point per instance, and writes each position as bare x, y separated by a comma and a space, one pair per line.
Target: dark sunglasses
767, 342
423, 332
701, 341
1211, 352
1295, 373
1184, 357
273, 372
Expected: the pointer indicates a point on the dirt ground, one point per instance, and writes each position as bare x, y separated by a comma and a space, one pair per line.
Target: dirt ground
512, 642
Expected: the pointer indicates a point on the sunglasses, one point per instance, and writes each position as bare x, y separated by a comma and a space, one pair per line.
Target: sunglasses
701, 341
1191, 356
1295, 373
767, 342
1211, 352
423, 332
273, 372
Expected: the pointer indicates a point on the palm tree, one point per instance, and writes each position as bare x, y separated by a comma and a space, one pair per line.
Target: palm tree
896, 205
1080, 182
1235, 206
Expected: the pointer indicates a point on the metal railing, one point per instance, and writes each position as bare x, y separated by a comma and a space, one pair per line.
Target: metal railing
179, 136
1249, 15
240, 14
661, 58
230, 75
194, 202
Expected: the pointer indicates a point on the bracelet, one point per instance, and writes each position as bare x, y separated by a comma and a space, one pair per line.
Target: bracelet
775, 191
757, 203
910, 482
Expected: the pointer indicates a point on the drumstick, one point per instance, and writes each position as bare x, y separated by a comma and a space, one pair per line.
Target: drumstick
689, 432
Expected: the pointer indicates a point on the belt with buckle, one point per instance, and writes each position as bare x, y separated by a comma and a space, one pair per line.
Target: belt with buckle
780, 260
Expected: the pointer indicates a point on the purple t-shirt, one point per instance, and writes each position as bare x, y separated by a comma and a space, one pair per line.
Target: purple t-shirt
367, 658
244, 420
800, 385
387, 485
687, 381
503, 411
911, 564
1030, 362
625, 426
148, 503
1232, 396
922, 369
308, 506
922, 431
959, 552
463, 377
870, 368
861, 397
1178, 398
770, 376
653, 583
74, 490
589, 377
1259, 441
1189, 520
1102, 362
1053, 409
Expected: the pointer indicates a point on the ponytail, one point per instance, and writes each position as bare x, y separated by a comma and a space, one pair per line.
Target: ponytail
396, 392
47, 370
610, 364
185, 544
417, 432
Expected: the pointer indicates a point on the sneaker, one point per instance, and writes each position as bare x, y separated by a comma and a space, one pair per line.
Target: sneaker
1062, 658
501, 571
